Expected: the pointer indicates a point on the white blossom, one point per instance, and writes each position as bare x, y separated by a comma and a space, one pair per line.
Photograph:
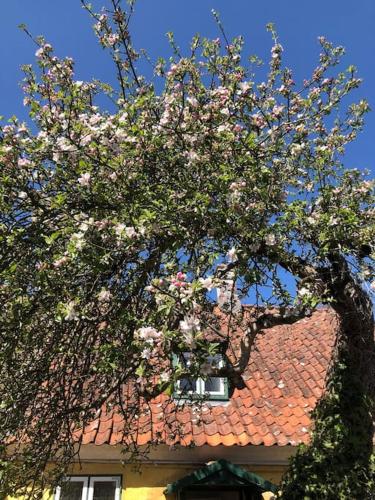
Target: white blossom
119, 229
85, 179
304, 292
244, 87
70, 311
190, 324
146, 353
225, 111
147, 333
78, 240
104, 295
270, 240
130, 232
39, 52
189, 339
84, 227
311, 220
296, 149
192, 101
165, 376
64, 145
192, 156
207, 283
232, 254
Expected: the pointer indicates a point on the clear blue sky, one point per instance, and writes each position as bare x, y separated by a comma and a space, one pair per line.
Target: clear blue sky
299, 23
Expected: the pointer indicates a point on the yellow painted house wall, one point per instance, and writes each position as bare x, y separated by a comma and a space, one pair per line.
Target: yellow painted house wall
150, 481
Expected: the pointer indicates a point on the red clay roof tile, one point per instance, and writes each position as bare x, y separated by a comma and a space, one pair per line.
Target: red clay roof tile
283, 380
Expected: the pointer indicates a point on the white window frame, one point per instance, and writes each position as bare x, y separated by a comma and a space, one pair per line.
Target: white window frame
200, 385
88, 485
200, 388
108, 479
74, 479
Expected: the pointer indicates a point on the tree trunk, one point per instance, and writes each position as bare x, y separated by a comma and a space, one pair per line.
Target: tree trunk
339, 462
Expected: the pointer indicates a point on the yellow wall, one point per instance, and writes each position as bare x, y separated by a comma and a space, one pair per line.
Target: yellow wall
150, 481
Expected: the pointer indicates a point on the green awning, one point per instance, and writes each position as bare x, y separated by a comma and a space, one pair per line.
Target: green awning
221, 472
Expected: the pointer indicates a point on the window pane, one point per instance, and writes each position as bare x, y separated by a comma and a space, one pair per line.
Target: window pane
213, 384
71, 490
104, 490
188, 384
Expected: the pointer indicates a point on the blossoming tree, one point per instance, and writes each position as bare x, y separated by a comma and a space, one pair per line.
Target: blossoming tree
116, 227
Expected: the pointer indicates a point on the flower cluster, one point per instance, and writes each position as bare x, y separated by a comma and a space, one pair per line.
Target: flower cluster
116, 226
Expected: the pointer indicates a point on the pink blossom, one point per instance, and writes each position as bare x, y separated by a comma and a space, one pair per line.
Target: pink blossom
86, 140
258, 120
101, 224
178, 284
60, 262
23, 162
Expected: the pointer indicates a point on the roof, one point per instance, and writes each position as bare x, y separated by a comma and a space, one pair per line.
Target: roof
284, 379
221, 472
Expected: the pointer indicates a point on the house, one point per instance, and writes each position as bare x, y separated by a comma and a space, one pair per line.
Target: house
234, 446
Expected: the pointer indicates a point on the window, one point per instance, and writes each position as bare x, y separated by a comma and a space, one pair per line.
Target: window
89, 488
213, 387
